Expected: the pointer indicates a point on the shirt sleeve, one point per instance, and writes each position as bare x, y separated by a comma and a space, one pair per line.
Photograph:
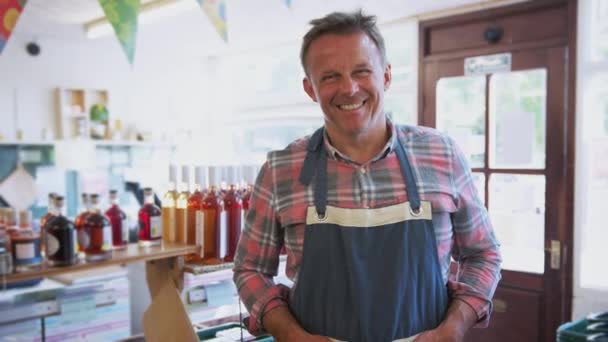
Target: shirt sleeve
475, 246
257, 256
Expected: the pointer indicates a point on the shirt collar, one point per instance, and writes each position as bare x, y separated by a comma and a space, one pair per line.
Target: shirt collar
388, 148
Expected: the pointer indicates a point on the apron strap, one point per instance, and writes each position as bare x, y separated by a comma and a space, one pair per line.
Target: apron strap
310, 163
408, 176
315, 165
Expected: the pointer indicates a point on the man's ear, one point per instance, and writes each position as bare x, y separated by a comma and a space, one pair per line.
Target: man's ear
309, 89
387, 76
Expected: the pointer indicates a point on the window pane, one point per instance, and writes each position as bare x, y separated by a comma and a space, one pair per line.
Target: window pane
517, 210
480, 183
461, 113
599, 30
401, 106
592, 183
517, 119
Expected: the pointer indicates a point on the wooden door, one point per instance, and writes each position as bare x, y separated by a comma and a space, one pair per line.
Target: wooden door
501, 83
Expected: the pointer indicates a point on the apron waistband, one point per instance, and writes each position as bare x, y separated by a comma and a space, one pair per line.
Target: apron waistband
407, 339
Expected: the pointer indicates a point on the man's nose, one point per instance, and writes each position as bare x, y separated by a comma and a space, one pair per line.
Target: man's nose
349, 86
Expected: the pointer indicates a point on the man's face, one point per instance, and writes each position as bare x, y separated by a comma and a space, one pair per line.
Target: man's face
347, 77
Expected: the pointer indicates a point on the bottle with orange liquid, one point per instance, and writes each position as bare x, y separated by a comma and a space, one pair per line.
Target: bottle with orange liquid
234, 213
181, 207
168, 207
196, 218
213, 212
81, 233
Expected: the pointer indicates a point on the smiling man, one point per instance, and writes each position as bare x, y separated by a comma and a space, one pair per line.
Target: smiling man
370, 213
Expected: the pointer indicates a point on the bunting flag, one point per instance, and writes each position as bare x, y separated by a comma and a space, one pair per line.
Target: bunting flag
216, 11
10, 10
288, 3
123, 14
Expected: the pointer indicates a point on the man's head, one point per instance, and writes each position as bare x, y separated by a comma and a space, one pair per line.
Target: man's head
347, 73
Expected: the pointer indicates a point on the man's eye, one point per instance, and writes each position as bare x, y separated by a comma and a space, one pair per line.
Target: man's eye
327, 77
363, 72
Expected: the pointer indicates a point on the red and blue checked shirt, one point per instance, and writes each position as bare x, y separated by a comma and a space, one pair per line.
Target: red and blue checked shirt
277, 216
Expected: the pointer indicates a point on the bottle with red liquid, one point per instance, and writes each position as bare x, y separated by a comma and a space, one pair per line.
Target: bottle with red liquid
83, 237
120, 224
196, 216
99, 230
25, 245
150, 221
214, 215
234, 214
51, 211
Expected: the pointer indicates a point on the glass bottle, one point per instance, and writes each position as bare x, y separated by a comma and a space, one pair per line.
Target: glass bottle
168, 205
99, 230
6, 260
234, 216
10, 219
120, 224
213, 212
61, 243
83, 237
25, 245
181, 208
196, 218
51, 211
150, 221
2, 220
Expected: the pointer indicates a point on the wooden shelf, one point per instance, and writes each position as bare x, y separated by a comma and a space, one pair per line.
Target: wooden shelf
198, 268
132, 254
27, 142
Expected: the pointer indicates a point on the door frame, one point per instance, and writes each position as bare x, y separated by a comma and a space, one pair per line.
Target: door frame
557, 285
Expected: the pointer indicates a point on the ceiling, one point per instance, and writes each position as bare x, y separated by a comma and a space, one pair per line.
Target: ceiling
251, 23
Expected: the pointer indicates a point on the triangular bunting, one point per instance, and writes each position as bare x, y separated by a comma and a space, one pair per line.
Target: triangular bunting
216, 11
123, 14
288, 3
10, 10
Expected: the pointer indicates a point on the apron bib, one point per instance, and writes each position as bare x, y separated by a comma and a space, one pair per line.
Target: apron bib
367, 274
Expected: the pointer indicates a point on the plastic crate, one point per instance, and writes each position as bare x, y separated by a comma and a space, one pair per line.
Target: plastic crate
209, 333
577, 332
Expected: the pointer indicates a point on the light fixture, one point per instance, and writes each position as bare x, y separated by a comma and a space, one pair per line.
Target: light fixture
148, 12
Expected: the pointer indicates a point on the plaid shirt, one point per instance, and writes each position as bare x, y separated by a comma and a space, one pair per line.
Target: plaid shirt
277, 216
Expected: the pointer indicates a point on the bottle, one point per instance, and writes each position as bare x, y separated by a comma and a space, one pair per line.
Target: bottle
61, 243
168, 204
99, 230
10, 219
81, 233
25, 245
181, 208
51, 211
150, 221
2, 221
6, 260
213, 212
196, 217
120, 224
234, 214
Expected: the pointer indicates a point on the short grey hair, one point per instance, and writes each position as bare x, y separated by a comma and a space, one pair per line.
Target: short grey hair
343, 23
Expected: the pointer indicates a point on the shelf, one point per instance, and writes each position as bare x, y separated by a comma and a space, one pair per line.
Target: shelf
132, 143
132, 254
102, 143
197, 268
26, 143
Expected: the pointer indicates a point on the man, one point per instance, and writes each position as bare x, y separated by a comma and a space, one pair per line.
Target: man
369, 212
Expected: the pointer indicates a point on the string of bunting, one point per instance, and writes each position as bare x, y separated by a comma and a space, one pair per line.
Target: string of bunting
122, 15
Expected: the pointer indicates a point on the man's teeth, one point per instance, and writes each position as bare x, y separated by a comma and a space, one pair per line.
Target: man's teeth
351, 106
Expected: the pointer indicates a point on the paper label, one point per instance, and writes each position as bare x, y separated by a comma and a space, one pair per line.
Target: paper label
24, 251
52, 244
223, 235
156, 227
77, 310
125, 231
83, 239
200, 230
107, 238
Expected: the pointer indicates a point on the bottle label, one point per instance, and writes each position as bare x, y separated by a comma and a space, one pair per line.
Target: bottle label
155, 227
83, 239
242, 221
107, 238
24, 251
125, 231
75, 242
200, 231
52, 244
223, 235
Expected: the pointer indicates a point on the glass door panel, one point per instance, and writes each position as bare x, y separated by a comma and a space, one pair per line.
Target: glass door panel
517, 119
461, 113
479, 179
517, 211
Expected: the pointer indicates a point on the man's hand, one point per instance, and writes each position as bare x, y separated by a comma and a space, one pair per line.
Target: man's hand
458, 320
284, 328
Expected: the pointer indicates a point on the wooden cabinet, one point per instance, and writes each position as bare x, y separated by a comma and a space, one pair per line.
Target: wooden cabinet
74, 108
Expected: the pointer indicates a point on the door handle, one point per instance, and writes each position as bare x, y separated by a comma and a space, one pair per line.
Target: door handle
556, 254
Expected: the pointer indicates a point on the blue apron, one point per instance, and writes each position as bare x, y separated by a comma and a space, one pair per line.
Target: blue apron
367, 274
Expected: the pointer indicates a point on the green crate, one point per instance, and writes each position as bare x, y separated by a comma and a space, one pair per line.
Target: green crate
209, 333
577, 332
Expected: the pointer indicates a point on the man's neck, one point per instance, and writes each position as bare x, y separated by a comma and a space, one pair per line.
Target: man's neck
361, 148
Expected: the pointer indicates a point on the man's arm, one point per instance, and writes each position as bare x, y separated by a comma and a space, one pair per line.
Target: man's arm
284, 328
459, 319
257, 255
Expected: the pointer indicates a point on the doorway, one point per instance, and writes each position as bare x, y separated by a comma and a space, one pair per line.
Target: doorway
501, 83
